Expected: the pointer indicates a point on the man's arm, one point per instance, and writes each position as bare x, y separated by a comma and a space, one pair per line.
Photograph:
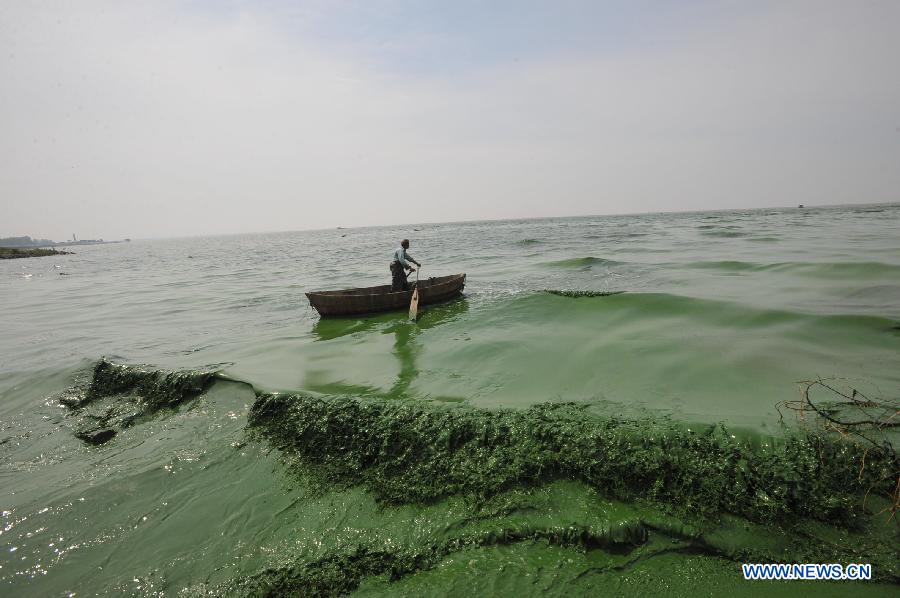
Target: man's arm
410, 258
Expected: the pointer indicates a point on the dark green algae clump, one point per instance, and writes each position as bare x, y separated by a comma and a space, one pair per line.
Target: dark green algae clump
693, 491
418, 452
121, 395
705, 491
342, 572
7, 253
580, 294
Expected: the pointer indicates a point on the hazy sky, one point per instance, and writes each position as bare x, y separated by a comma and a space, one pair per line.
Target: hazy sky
165, 118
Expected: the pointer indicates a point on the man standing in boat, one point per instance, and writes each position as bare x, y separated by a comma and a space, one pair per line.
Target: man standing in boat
399, 264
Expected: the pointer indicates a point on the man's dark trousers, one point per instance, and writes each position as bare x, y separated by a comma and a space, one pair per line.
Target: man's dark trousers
398, 277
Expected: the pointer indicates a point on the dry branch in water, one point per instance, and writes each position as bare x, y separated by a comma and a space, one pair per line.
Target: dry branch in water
856, 418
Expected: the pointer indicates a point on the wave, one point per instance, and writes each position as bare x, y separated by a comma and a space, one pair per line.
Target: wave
681, 486
614, 235
423, 453
577, 294
725, 265
119, 396
342, 571
811, 269
645, 307
528, 242
418, 453
725, 234
583, 262
516, 545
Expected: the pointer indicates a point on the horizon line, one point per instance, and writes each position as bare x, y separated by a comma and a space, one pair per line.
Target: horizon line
475, 220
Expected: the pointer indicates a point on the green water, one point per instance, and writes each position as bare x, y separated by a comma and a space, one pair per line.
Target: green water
721, 315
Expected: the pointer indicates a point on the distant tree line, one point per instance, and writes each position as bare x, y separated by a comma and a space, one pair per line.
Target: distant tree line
25, 242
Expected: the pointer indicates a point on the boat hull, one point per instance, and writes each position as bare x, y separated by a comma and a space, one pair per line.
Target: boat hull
370, 300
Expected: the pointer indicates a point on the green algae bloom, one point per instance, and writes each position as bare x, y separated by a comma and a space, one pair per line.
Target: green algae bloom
121, 395
577, 294
416, 452
697, 491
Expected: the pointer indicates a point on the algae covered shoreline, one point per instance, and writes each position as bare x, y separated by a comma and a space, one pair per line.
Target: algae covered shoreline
698, 484
7, 253
418, 453
647, 489
693, 479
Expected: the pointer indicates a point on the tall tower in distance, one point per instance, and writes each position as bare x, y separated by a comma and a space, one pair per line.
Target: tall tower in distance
73, 238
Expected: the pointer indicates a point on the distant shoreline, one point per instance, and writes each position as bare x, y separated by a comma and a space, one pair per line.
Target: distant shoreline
27, 242
7, 253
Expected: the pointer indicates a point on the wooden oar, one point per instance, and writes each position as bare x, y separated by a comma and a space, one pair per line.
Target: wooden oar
414, 304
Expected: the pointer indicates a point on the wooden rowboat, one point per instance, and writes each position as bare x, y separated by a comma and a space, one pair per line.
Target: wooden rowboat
375, 299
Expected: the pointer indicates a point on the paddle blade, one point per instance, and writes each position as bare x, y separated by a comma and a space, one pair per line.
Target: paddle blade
414, 305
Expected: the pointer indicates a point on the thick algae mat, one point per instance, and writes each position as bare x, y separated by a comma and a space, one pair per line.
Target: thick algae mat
619, 434
375, 496
686, 487
417, 453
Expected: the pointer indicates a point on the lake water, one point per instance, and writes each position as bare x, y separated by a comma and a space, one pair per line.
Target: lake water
721, 315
